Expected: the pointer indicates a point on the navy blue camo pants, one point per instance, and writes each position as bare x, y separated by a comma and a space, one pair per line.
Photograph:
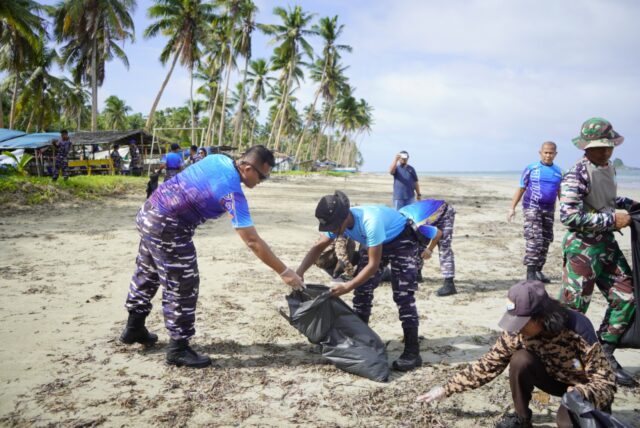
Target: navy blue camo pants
166, 257
401, 254
538, 234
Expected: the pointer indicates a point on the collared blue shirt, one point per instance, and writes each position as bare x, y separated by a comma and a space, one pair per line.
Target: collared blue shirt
206, 190
374, 225
541, 183
404, 182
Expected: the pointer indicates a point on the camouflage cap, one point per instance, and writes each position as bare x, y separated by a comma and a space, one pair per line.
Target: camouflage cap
597, 132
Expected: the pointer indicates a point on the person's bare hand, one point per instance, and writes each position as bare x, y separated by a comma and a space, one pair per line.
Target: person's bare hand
292, 279
427, 253
436, 394
622, 220
339, 289
512, 215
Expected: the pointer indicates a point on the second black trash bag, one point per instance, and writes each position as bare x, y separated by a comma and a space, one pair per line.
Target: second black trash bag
346, 340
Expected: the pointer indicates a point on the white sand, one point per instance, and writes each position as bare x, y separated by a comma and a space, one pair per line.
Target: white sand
64, 273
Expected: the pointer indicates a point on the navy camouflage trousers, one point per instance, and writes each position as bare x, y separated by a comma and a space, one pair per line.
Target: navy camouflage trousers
401, 254
60, 164
166, 257
445, 252
538, 234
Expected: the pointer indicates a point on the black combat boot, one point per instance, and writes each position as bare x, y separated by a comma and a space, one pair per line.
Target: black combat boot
532, 273
410, 358
447, 289
623, 377
180, 354
513, 420
542, 277
136, 332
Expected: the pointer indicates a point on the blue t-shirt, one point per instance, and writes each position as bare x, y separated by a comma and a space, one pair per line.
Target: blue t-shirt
173, 160
404, 182
374, 225
424, 213
541, 183
206, 190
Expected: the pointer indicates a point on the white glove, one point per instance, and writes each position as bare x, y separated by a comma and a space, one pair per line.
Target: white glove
426, 254
512, 215
436, 394
292, 279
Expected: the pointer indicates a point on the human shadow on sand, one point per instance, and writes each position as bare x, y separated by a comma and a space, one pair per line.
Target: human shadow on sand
231, 354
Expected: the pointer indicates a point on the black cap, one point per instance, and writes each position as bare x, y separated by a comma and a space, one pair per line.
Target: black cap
332, 211
175, 146
526, 298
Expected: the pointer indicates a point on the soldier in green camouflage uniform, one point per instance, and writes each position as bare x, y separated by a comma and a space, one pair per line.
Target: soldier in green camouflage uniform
591, 256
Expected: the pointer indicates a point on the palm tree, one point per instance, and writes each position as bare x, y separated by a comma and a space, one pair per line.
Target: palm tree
74, 104
329, 30
115, 113
39, 100
260, 83
278, 62
248, 11
92, 31
334, 83
291, 36
21, 32
184, 22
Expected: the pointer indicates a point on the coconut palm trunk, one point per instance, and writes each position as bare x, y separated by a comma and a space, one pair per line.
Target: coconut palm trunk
94, 86
1, 113
285, 100
164, 85
212, 112
313, 109
253, 124
193, 116
14, 99
238, 125
224, 98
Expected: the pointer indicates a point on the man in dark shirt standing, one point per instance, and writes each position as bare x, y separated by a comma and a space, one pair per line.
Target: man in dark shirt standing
405, 181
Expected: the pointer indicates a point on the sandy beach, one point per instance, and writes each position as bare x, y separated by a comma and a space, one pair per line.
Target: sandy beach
64, 274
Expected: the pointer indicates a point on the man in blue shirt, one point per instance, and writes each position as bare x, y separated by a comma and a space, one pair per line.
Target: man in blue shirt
385, 237
432, 217
540, 185
167, 256
405, 181
173, 163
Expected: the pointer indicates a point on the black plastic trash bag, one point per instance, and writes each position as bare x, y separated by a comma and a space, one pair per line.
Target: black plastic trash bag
631, 337
345, 339
584, 415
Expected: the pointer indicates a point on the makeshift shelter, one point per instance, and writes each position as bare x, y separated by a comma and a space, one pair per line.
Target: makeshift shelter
38, 144
7, 134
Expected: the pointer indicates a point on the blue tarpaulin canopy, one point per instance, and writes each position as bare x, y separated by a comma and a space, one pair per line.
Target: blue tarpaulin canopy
31, 141
8, 134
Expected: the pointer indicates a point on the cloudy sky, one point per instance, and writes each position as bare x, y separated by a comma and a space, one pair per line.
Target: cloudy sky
463, 85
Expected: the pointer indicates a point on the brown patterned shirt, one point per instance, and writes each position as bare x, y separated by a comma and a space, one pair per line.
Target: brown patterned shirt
567, 357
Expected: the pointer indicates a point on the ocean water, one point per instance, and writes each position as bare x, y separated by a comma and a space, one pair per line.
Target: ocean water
627, 178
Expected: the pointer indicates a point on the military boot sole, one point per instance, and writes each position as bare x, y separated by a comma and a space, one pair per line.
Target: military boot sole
193, 365
401, 367
443, 292
148, 339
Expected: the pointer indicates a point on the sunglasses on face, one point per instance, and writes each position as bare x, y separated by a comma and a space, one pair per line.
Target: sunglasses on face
261, 175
